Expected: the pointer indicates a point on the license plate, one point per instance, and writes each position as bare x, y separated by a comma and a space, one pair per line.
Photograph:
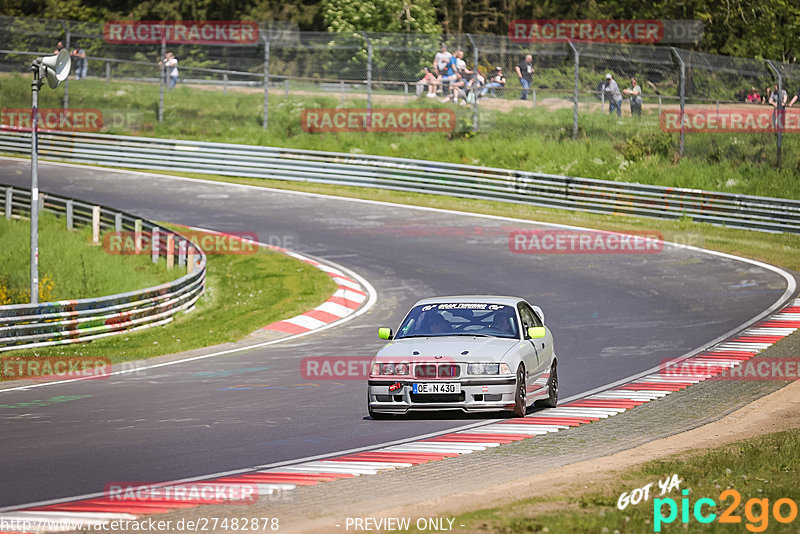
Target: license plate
436, 387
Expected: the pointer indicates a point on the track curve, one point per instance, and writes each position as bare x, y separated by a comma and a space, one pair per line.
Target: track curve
612, 316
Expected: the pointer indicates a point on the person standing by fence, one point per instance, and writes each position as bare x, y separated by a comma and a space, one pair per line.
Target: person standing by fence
635, 95
525, 72
614, 96
170, 63
81, 63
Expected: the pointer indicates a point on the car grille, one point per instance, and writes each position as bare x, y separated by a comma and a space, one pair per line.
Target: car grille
430, 370
441, 397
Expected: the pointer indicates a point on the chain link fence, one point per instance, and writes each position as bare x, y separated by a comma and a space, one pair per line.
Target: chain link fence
286, 72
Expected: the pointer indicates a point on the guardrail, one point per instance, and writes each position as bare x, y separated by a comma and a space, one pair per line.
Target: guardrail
538, 189
72, 321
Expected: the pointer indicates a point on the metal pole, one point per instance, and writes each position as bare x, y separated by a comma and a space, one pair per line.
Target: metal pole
474, 83
163, 81
108, 72
779, 111
682, 66
35, 186
66, 45
575, 93
266, 79
369, 79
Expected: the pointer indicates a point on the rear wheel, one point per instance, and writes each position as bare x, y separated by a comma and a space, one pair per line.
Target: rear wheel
552, 390
520, 393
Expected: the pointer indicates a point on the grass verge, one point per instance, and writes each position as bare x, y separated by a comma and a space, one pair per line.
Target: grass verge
243, 293
763, 468
70, 266
532, 139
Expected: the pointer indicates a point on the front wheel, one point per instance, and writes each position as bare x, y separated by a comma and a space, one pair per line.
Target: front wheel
520, 394
552, 390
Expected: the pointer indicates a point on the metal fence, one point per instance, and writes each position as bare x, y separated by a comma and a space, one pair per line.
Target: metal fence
538, 189
73, 321
376, 70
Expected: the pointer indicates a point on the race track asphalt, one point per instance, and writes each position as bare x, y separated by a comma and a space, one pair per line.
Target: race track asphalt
612, 315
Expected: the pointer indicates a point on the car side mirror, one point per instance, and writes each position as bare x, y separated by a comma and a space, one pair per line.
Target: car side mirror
538, 311
386, 333
536, 332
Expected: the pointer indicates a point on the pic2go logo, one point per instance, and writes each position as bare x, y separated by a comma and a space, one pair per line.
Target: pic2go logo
756, 511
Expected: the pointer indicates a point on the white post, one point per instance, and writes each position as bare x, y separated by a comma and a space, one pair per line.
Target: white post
95, 224
170, 251
155, 245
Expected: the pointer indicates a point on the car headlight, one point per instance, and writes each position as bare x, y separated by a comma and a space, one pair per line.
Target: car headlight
488, 369
392, 369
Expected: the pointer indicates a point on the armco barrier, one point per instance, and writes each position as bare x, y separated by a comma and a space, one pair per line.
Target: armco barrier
548, 190
71, 321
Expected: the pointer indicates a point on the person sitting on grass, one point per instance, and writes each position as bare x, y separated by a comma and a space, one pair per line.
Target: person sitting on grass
427, 79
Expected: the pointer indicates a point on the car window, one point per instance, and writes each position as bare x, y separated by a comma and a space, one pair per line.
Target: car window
529, 317
460, 318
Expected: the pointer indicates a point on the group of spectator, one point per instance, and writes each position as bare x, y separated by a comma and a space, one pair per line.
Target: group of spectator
770, 97
81, 63
615, 96
450, 77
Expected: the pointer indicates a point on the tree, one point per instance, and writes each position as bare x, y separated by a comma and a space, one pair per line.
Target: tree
380, 16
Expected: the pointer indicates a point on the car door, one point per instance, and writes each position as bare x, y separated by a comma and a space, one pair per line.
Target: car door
534, 365
546, 348
542, 346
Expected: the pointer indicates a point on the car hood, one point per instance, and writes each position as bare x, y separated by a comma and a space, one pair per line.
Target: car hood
478, 349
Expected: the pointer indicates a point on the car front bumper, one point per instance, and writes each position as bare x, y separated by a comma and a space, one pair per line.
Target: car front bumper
478, 394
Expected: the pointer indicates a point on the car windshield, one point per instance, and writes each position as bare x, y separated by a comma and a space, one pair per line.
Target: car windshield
460, 319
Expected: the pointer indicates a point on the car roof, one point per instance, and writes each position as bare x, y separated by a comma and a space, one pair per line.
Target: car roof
479, 299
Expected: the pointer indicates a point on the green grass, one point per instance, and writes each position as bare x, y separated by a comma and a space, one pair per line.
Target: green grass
765, 467
70, 266
524, 139
243, 293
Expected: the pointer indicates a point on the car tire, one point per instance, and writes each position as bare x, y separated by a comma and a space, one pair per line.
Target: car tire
552, 390
520, 393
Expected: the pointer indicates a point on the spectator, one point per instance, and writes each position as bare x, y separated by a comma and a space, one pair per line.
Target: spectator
440, 61
767, 93
773, 101
59, 47
525, 72
741, 96
794, 98
635, 94
497, 81
81, 63
450, 76
427, 79
170, 63
457, 88
773, 98
461, 65
614, 96
474, 87
753, 97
